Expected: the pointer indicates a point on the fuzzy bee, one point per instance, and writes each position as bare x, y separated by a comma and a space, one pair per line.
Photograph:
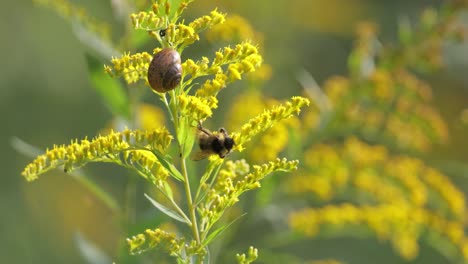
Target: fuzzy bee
218, 143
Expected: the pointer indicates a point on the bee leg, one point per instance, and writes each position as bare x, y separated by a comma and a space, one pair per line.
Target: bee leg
199, 125
202, 129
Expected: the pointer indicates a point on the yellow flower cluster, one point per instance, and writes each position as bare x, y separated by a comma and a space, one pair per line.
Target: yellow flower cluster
451, 195
212, 87
132, 67
231, 182
204, 22
101, 149
149, 21
193, 68
244, 53
146, 164
74, 13
274, 140
268, 119
403, 188
251, 256
403, 225
176, 35
180, 35
394, 106
163, 240
237, 28
197, 108
158, 17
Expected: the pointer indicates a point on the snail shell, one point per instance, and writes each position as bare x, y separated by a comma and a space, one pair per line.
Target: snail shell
165, 71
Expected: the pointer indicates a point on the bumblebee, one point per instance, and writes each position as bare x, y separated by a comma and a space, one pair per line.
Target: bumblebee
219, 143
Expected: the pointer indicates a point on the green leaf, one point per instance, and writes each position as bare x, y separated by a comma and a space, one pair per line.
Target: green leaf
90, 252
25, 148
219, 231
110, 90
95, 43
186, 135
171, 168
168, 190
213, 167
166, 210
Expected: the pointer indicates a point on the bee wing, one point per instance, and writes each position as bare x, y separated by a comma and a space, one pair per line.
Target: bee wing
199, 155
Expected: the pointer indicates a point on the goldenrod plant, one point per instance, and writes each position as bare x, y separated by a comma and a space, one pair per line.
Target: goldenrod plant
364, 145
162, 155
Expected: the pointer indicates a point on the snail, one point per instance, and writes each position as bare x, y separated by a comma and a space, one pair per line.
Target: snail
165, 71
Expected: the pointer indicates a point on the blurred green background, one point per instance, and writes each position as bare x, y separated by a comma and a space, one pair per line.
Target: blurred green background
46, 99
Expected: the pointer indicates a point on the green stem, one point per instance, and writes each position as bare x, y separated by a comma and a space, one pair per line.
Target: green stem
130, 198
172, 107
192, 208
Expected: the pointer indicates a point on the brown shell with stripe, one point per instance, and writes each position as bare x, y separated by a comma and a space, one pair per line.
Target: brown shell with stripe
165, 70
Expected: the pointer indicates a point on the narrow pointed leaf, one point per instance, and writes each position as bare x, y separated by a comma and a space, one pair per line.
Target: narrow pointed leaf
171, 168
166, 210
219, 231
168, 190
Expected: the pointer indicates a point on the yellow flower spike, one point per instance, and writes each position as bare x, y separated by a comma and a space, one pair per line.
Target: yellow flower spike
189, 67
251, 256
132, 67
234, 73
239, 61
148, 21
181, 35
212, 87
136, 242
163, 240
167, 7
101, 148
148, 164
448, 191
196, 108
268, 119
205, 22
234, 180
252, 179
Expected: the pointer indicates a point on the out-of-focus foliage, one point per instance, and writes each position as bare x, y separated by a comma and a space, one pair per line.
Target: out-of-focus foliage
365, 141
365, 170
